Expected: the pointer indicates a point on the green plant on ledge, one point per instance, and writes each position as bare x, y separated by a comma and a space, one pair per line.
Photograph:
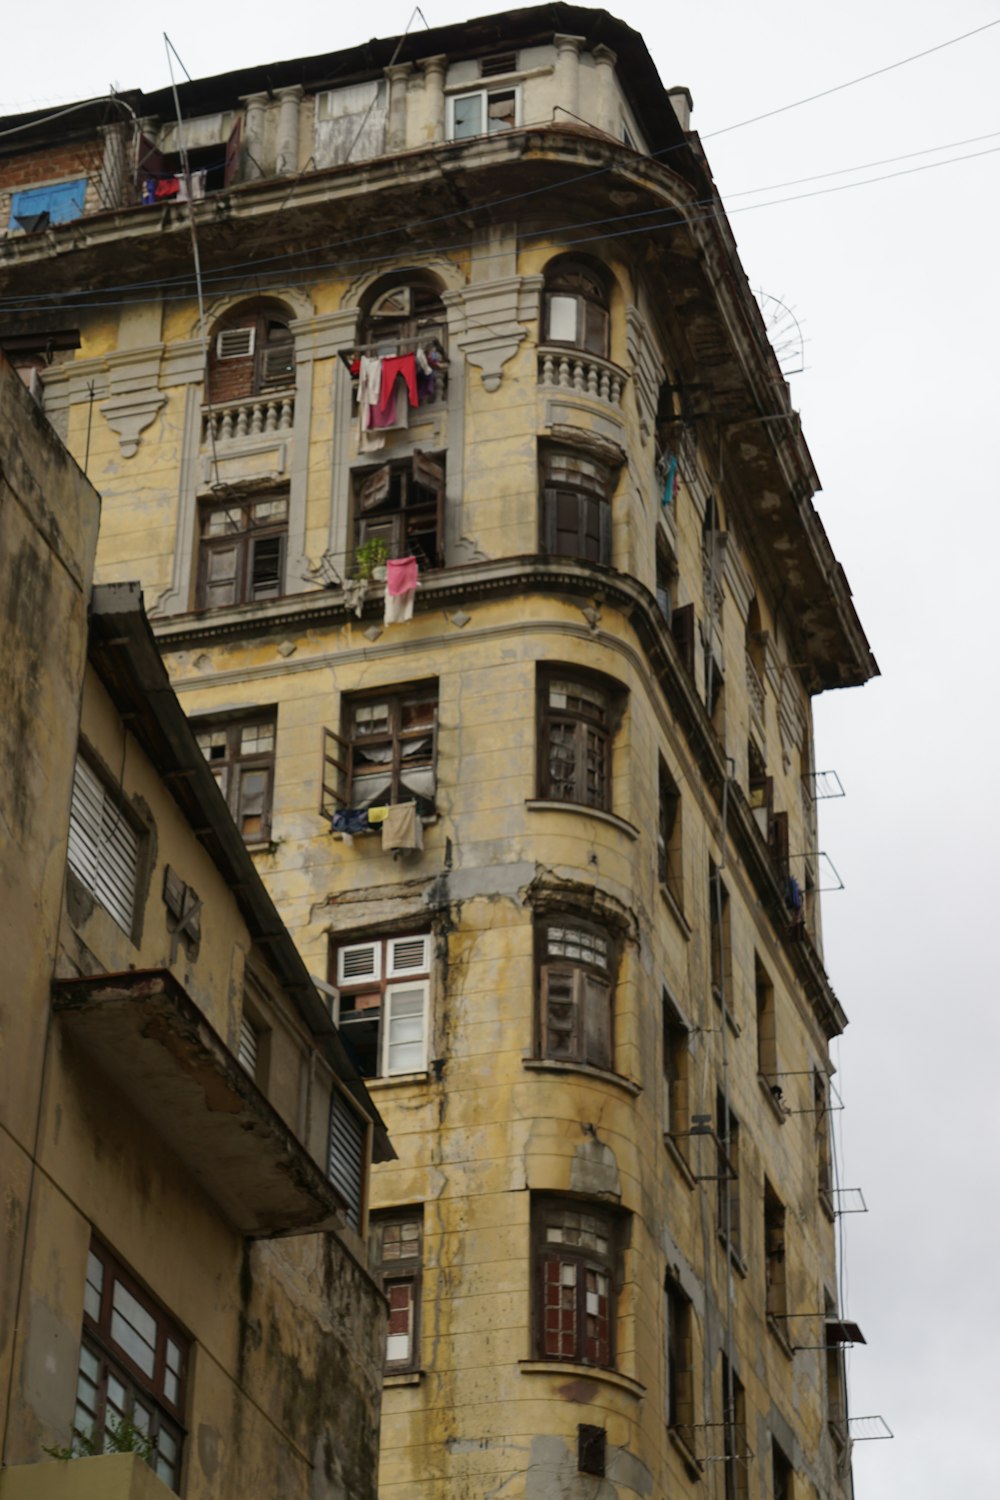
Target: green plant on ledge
123, 1437
370, 555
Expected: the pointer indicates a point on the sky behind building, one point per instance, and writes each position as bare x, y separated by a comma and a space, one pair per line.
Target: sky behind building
894, 286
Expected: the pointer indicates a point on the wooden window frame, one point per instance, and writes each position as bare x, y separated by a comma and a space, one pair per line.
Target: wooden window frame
567, 485
587, 996
585, 730
422, 323
235, 765
585, 1348
395, 738
89, 783
403, 503
676, 1075
165, 1413
244, 540
581, 283
400, 1273
385, 984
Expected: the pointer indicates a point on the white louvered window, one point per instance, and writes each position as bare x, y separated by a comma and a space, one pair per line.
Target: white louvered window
235, 343
103, 845
247, 1052
359, 962
408, 955
383, 1004
346, 1164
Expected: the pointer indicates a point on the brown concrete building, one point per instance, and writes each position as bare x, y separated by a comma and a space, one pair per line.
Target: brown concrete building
470, 298
184, 1144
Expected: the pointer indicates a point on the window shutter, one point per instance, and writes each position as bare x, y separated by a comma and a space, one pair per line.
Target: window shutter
428, 472
408, 955
359, 962
103, 846
778, 840
247, 1051
561, 1014
399, 1340
404, 1030
235, 343
221, 569
596, 1022
595, 339
374, 489
346, 1166
550, 505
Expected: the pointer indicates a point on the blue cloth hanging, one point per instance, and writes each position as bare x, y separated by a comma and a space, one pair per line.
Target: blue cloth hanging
670, 483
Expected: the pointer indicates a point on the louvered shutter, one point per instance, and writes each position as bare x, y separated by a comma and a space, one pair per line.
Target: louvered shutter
596, 1022
103, 846
408, 955
346, 1166
404, 1029
235, 343
234, 155
247, 1052
374, 489
359, 962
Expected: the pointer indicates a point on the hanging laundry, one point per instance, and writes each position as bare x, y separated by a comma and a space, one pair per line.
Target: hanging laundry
394, 366
402, 579
670, 483
793, 895
351, 820
377, 814
166, 187
396, 414
402, 828
149, 190
426, 375
369, 394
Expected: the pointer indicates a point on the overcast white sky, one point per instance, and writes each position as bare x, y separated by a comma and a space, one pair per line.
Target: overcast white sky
896, 287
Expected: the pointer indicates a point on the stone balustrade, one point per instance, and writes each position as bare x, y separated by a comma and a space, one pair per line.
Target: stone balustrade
586, 374
253, 417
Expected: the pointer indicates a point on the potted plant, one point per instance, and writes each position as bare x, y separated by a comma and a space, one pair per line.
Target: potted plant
370, 559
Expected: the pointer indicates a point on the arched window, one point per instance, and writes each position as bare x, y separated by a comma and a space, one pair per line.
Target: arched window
575, 307
401, 314
252, 353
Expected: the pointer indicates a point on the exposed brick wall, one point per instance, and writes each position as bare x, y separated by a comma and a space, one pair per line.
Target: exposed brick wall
79, 159
230, 379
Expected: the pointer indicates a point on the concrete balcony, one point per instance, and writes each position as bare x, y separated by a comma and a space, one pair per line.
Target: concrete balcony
247, 439
112, 1476
571, 371
144, 1033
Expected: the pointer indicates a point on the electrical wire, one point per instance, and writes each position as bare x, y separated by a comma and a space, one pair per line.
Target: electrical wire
850, 83
343, 265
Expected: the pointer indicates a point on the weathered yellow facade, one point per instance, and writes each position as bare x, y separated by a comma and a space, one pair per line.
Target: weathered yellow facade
690, 1123
132, 1126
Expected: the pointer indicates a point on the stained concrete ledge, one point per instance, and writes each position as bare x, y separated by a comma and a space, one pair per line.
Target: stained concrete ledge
145, 1033
112, 1476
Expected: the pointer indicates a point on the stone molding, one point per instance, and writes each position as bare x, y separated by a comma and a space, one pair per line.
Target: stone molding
486, 321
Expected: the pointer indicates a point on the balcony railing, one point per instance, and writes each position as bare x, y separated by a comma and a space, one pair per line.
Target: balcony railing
252, 417
585, 374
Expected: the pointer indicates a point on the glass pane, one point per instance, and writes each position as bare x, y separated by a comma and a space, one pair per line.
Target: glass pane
256, 738
95, 1282
171, 1386
468, 116
562, 318
212, 743
268, 510
501, 111
173, 1357
223, 522
89, 1364
133, 1329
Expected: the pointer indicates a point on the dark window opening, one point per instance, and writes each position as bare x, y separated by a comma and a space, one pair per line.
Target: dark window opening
680, 1361
782, 1475
670, 869
383, 1008
728, 1170
736, 1453
389, 749
720, 946
774, 1256
591, 1449
676, 1076
767, 1030
401, 506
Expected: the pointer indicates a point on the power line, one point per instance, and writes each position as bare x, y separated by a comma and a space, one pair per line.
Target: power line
865, 166
863, 78
672, 219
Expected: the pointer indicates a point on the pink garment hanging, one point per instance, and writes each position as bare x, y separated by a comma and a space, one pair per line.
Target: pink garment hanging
401, 575
393, 366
